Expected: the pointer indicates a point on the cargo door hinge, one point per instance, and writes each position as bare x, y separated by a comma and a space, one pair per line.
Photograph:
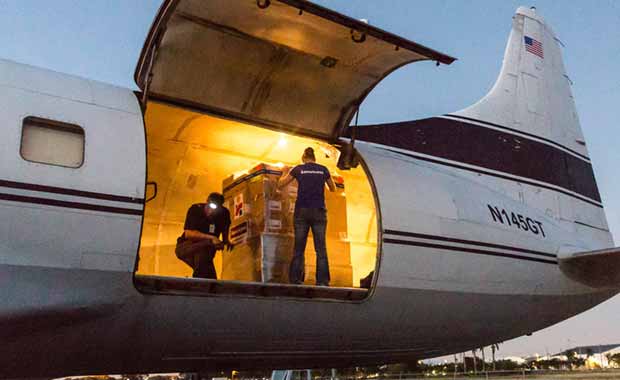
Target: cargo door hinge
149, 76
348, 155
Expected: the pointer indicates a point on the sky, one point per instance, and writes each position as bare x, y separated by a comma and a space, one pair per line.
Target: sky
101, 40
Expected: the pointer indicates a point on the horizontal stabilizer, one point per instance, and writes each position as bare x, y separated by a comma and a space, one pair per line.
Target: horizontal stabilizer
597, 269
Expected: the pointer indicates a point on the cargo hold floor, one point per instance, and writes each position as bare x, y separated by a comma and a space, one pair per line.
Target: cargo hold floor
204, 287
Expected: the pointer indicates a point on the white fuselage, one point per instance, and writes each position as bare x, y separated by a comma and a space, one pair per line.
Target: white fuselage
450, 276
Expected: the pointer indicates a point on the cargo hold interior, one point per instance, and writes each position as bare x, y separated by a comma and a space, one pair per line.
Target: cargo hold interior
191, 154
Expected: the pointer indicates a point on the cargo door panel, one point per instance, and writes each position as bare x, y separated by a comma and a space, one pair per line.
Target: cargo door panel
291, 66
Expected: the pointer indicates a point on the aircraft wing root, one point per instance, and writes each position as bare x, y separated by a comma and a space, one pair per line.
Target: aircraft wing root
597, 269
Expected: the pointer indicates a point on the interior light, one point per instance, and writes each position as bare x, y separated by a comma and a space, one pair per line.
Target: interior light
282, 141
212, 206
279, 165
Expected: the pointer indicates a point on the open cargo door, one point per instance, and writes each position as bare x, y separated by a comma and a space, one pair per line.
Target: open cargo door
287, 64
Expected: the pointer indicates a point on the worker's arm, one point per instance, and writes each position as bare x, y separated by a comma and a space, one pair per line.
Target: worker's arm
227, 244
331, 184
285, 180
197, 235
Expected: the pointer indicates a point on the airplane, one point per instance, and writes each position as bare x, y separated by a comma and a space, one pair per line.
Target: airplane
479, 225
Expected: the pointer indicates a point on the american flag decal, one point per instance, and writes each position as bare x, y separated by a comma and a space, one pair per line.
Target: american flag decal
533, 46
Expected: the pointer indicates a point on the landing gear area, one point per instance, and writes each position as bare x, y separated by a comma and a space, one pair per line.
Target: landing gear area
191, 155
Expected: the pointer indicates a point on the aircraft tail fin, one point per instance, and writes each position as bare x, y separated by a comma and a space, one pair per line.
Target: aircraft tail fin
597, 269
532, 94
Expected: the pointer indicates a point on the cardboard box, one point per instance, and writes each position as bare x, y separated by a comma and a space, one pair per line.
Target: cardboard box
267, 258
262, 230
338, 251
264, 258
255, 200
336, 204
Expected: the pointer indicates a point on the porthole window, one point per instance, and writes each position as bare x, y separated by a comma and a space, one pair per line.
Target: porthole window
52, 142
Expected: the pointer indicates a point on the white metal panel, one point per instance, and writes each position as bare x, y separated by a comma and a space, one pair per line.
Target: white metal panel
35, 79
408, 187
55, 216
48, 236
421, 198
113, 140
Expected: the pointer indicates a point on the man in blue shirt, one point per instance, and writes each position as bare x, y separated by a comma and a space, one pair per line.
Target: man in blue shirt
310, 212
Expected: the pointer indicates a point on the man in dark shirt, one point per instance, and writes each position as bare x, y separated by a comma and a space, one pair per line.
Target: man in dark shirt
310, 212
204, 224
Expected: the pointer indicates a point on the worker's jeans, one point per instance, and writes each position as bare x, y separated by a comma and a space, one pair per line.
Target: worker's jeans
199, 255
203, 264
306, 218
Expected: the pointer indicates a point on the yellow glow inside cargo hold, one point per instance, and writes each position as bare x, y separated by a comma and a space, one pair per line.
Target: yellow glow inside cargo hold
191, 155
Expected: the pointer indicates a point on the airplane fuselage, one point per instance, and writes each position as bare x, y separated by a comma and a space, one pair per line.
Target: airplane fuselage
473, 218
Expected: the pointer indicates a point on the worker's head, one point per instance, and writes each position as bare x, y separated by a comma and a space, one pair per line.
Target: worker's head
215, 201
308, 155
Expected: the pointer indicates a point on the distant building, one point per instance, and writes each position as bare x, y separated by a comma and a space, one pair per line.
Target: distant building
595, 356
553, 362
515, 359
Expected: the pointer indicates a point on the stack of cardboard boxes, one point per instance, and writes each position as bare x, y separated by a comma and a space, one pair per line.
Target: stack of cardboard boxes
262, 230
